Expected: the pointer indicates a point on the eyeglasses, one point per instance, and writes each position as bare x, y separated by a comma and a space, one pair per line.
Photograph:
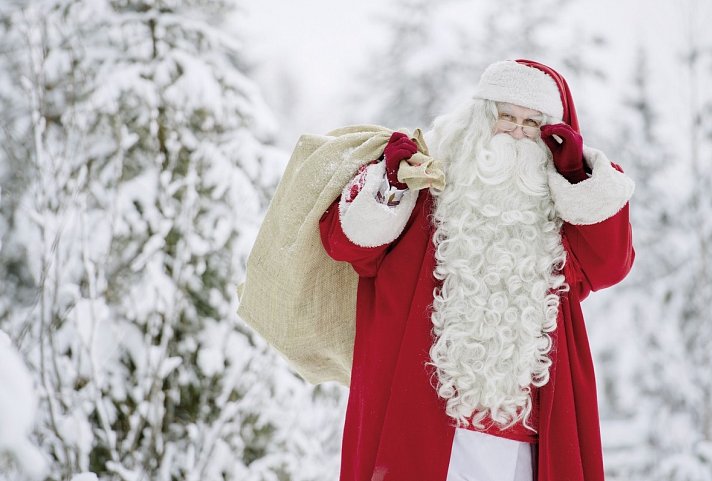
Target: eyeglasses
509, 126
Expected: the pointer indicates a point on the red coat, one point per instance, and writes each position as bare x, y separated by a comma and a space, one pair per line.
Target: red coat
396, 428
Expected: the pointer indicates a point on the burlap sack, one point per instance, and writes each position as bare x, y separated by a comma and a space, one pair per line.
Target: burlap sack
294, 295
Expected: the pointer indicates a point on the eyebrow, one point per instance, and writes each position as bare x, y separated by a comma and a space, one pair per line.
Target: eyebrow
536, 118
505, 109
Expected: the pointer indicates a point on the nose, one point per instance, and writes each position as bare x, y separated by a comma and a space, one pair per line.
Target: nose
517, 133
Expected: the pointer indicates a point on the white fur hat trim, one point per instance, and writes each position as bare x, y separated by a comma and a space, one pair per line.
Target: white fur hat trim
509, 81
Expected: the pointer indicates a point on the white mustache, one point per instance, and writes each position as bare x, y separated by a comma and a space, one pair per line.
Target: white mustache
510, 160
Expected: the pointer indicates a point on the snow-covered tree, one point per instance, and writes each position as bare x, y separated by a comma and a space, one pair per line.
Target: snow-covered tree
684, 435
626, 319
145, 151
433, 53
19, 458
402, 84
656, 360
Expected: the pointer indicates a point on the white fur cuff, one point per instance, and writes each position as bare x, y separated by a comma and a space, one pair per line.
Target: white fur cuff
367, 222
595, 199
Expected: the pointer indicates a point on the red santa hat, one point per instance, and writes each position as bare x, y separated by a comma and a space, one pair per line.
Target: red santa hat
529, 84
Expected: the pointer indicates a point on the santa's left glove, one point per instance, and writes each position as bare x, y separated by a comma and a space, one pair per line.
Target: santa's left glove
399, 148
568, 154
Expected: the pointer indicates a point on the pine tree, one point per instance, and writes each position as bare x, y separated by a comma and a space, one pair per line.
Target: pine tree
624, 340
656, 361
149, 166
402, 84
434, 53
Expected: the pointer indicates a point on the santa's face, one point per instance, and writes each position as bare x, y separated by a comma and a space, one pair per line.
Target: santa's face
517, 121
506, 173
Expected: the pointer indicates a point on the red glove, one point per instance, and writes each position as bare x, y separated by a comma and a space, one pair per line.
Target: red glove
568, 155
399, 147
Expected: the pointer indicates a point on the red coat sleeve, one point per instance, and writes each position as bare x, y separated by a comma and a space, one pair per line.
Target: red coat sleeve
365, 260
602, 254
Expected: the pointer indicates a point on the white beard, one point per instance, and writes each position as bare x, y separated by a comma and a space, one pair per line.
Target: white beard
499, 255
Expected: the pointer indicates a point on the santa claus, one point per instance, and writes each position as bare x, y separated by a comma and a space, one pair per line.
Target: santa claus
471, 360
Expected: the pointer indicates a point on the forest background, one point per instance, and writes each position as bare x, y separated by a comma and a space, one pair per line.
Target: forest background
140, 144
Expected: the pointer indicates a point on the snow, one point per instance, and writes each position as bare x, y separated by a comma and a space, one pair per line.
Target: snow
85, 477
18, 404
120, 254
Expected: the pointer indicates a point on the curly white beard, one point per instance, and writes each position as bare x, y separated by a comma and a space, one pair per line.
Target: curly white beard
499, 255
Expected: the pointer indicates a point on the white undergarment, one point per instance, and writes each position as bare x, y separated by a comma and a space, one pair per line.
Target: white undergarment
478, 456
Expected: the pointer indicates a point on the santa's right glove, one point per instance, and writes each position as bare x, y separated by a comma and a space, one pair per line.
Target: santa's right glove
399, 148
568, 154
